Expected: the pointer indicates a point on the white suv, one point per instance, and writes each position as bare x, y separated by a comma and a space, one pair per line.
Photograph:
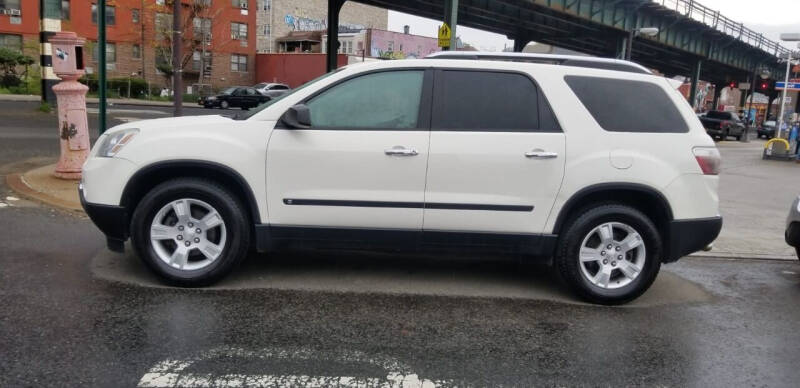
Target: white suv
595, 163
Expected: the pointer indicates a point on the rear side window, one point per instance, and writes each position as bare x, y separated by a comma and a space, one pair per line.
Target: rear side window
488, 102
628, 106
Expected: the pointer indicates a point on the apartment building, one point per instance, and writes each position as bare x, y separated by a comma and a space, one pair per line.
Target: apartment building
219, 43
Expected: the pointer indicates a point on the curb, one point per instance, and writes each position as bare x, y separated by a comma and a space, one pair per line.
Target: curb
17, 183
741, 256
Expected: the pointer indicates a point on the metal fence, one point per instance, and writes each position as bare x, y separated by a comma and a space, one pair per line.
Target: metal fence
696, 11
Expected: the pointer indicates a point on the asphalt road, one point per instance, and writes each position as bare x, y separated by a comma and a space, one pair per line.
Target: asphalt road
303, 319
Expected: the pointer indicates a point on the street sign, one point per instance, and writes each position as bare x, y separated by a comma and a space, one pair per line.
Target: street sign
792, 85
444, 35
744, 85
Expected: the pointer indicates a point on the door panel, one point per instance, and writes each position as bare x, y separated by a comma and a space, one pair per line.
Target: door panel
492, 169
363, 162
494, 143
349, 166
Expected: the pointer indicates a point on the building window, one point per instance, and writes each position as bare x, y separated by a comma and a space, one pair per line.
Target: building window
266, 4
159, 2
137, 51
240, 3
10, 4
111, 52
196, 60
64, 9
238, 62
238, 30
201, 26
11, 42
265, 29
163, 25
111, 17
135, 16
390, 46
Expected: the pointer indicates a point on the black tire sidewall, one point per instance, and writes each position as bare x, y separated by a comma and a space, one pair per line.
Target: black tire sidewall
569, 248
231, 211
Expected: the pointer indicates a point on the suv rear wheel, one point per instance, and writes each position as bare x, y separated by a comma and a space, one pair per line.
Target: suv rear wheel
191, 232
610, 254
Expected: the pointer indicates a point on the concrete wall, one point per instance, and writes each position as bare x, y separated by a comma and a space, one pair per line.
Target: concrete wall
292, 69
311, 15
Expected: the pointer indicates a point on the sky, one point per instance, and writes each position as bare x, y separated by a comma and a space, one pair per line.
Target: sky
770, 17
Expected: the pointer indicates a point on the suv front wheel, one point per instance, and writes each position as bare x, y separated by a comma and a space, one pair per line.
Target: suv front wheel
610, 254
190, 232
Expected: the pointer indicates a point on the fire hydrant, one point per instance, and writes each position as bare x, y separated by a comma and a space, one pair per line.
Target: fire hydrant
73, 124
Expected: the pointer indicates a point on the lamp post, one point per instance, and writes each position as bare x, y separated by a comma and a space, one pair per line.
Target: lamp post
644, 31
791, 37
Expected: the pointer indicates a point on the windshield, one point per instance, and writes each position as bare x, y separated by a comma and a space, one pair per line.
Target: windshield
259, 86
254, 111
228, 91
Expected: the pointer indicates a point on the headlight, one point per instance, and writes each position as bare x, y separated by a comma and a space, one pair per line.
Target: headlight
114, 142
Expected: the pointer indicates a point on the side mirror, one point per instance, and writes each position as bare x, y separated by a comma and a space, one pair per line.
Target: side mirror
297, 117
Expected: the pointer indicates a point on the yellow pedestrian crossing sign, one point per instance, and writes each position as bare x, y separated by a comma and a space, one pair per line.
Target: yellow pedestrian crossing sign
444, 35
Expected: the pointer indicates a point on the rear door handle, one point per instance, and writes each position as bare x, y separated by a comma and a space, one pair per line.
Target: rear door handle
400, 151
541, 154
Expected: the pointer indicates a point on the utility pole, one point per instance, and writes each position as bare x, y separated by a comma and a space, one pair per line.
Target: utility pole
101, 72
177, 69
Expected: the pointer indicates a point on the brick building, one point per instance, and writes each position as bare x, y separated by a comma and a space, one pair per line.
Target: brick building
277, 18
138, 38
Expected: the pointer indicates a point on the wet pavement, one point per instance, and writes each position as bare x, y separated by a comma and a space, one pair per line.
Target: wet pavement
73, 314
61, 325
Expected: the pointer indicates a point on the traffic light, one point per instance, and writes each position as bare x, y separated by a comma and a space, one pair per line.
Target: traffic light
732, 85
765, 86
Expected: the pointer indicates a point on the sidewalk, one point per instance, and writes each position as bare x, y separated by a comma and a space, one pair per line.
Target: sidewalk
93, 100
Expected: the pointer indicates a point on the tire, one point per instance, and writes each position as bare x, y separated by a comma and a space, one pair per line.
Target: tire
210, 254
642, 262
224, 105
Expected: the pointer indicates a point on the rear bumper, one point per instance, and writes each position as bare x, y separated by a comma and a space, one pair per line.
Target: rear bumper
793, 234
111, 220
689, 236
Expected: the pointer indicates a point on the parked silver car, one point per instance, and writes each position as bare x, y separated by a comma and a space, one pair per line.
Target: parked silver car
272, 90
793, 226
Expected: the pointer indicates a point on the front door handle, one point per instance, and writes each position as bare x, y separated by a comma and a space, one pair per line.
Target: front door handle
539, 153
400, 151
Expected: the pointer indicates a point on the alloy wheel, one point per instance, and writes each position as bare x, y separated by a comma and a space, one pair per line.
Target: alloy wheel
612, 255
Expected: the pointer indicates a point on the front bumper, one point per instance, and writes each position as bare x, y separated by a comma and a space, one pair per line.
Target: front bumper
689, 236
111, 220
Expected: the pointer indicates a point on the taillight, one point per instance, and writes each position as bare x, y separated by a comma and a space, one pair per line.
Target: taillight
708, 158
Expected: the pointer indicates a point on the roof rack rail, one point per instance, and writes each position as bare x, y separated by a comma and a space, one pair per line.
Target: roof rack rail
552, 59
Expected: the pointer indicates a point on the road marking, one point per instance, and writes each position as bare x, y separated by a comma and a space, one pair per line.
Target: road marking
183, 373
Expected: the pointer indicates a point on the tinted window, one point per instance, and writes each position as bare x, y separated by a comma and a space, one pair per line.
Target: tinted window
485, 101
384, 100
280, 87
627, 106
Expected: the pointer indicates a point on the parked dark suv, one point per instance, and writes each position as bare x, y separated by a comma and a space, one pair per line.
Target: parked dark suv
723, 124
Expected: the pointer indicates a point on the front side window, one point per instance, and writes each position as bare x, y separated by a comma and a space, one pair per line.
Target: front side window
385, 100
486, 102
636, 106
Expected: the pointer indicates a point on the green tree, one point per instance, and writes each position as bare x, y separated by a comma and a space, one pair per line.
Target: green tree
10, 61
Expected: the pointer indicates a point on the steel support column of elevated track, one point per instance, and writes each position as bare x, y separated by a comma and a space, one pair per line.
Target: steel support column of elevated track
332, 44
